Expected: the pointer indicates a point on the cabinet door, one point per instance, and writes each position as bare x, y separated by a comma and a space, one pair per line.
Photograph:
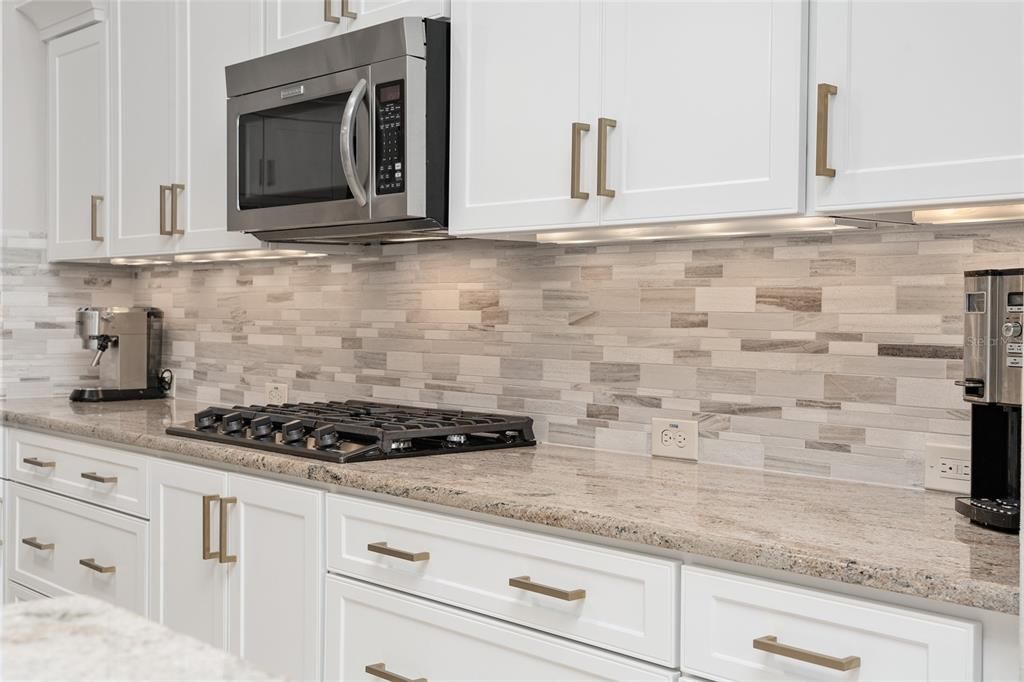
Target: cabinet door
521, 74
416, 639
275, 584
187, 592
297, 22
707, 100
146, 116
79, 202
928, 105
219, 32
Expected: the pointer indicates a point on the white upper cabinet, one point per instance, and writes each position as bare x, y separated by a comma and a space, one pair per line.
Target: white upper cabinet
79, 201
524, 108
928, 105
146, 124
707, 104
684, 111
220, 32
297, 22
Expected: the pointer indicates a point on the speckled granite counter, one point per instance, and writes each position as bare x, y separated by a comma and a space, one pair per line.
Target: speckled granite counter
896, 540
80, 638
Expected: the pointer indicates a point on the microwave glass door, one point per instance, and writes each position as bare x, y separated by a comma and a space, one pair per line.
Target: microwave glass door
287, 154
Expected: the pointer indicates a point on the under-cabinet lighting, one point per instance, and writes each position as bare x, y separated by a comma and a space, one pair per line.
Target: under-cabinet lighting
970, 214
727, 228
139, 261
254, 254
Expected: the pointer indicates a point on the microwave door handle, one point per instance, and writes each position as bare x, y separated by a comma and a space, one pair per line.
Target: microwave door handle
348, 162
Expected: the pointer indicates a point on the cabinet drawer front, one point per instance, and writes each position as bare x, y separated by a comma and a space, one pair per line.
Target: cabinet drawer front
50, 537
370, 626
101, 475
612, 599
723, 615
14, 593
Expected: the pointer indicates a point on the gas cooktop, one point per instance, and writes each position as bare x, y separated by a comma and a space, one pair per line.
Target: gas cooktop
357, 431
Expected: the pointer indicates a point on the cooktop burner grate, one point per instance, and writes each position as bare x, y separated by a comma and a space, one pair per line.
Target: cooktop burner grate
357, 430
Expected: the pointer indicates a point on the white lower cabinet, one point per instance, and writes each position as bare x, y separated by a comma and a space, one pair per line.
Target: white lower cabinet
237, 562
740, 628
15, 593
414, 639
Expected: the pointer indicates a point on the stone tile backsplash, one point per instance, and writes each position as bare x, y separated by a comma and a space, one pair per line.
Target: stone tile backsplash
831, 355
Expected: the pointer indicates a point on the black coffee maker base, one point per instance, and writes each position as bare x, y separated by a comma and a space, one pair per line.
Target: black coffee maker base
996, 514
102, 395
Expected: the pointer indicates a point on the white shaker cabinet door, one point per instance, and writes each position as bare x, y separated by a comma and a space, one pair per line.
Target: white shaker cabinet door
522, 74
146, 117
928, 103
220, 32
79, 100
707, 103
188, 592
275, 583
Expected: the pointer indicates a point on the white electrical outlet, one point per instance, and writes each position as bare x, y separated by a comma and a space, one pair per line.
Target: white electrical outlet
276, 394
948, 467
674, 438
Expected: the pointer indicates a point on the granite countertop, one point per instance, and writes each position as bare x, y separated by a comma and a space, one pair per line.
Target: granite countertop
81, 638
897, 540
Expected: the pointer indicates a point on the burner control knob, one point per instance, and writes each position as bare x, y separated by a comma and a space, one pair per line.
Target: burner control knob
1011, 329
292, 432
325, 436
205, 419
232, 422
261, 427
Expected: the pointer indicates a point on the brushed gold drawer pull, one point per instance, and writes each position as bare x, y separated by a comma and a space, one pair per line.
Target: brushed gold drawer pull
346, 10
770, 643
379, 671
164, 189
93, 476
224, 557
329, 14
34, 543
603, 124
91, 564
42, 464
523, 582
207, 554
382, 548
175, 189
94, 234
577, 152
825, 90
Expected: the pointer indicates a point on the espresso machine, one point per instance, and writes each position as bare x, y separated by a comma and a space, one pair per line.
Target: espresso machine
126, 345
993, 357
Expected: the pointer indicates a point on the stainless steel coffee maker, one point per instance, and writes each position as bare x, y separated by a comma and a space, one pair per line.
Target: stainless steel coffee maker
993, 358
127, 345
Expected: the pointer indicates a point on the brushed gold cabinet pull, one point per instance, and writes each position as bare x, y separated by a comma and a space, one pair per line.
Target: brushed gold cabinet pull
382, 548
523, 582
94, 234
821, 148
164, 189
91, 564
603, 124
42, 464
224, 557
346, 11
574, 175
770, 643
175, 188
93, 476
329, 15
34, 543
207, 554
380, 671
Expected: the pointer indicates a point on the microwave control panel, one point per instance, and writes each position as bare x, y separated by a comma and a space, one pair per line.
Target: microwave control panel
390, 139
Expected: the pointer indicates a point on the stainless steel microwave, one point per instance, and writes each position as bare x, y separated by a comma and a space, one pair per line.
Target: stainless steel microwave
344, 140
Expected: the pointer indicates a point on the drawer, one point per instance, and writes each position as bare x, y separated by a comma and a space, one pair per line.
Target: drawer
417, 639
615, 600
49, 538
725, 615
14, 593
97, 474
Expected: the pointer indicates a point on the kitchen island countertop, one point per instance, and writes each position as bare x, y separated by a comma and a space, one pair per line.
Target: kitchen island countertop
902, 541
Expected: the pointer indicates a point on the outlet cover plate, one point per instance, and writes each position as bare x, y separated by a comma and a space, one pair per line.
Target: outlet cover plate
677, 438
276, 394
934, 477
